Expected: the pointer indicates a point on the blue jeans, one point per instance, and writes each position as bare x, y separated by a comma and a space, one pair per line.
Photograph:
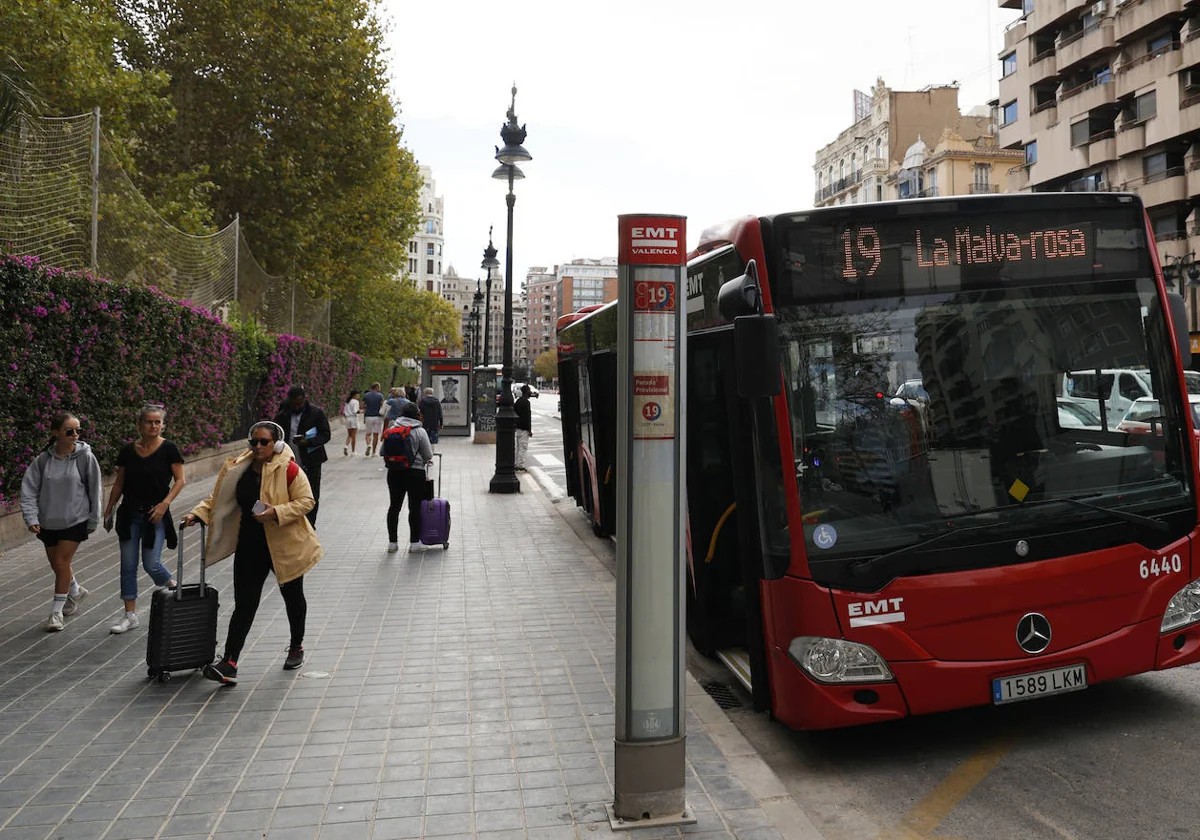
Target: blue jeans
151, 557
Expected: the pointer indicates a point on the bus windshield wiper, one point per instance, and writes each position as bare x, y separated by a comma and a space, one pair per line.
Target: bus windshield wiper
865, 567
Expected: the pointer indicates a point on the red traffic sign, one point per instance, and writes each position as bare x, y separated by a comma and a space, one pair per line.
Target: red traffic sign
438, 353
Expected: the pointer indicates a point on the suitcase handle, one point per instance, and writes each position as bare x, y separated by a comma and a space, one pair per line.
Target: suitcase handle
179, 563
438, 455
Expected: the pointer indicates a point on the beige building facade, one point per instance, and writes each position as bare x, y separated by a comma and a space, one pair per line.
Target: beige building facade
1106, 96
910, 144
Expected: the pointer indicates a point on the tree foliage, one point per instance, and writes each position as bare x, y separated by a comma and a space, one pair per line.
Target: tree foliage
285, 105
546, 365
391, 320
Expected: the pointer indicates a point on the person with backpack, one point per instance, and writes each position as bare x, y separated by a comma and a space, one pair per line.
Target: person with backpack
258, 513
60, 503
405, 449
149, 478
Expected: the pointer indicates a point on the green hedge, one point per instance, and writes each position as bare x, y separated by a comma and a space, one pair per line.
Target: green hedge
101, 349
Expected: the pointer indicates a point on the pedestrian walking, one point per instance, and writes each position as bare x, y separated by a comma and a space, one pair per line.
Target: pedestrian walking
149, 478
406, 451
350, 412
431, 415
257, 513
308, 433
524, 426
372, 418
395, 403
60, 503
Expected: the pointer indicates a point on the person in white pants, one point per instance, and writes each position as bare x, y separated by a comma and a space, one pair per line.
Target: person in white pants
524, 426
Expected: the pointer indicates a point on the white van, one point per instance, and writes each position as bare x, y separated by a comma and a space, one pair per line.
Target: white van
1119, 387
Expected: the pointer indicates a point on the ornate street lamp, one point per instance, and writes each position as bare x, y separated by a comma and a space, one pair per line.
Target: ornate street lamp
476, 302
489, 262
505, 479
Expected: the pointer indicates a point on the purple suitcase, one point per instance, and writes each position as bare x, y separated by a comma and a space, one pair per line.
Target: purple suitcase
435, 515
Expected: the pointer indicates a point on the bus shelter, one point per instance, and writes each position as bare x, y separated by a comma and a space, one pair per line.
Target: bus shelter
450, 380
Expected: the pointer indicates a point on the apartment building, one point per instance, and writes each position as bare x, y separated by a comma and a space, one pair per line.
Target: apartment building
1106, 96
425, 248
540, 296
586, 282
890, 146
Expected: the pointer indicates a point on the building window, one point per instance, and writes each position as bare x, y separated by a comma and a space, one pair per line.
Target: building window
1145, 106
1080, 132
429, 250
983, 175
1031, 153
1154, 165
1026, 7
879, 148
879, 193
439, 267
1008, 65
439, 250
429, 226
429, 266
1159, 45
1009, 114
412, 266
412, 247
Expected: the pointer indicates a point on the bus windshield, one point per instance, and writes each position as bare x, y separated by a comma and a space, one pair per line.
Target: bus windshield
926, 384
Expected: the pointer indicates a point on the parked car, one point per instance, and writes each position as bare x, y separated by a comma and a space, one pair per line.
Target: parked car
533, 392
1076, 415
1146, 414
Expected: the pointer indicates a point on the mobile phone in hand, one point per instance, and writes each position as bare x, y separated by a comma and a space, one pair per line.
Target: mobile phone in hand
258, 508
108, 522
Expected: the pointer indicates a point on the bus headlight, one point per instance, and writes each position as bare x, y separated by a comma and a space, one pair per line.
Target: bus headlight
838, 661
1184, 608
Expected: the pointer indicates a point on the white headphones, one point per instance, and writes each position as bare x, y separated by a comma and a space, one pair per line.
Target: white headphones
280, 444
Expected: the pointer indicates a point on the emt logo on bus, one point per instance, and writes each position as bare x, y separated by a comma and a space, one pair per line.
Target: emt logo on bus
884, 611
652, 240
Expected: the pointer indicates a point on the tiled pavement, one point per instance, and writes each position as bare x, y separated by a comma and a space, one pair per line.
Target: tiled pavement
465, 693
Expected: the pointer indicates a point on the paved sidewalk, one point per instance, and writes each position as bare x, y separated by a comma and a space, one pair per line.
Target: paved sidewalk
463, 693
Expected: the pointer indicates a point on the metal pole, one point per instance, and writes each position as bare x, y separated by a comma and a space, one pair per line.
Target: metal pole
650, 737
95, 188
487, 320
505, 479
237, 239
292, 330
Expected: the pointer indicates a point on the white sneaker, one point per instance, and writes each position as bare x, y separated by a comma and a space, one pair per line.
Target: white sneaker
54, 623
72, 605
416, 547
393, 548
128, 622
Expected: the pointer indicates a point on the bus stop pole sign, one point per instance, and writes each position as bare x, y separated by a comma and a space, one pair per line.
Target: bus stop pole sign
649, 765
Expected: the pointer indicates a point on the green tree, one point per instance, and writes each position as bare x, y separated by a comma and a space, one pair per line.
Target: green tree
285, 106
546, 365
394, 320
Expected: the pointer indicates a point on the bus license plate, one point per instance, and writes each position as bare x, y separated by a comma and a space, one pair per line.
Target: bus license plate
1039, 684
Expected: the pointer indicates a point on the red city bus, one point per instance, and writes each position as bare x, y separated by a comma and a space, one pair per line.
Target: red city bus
898, 523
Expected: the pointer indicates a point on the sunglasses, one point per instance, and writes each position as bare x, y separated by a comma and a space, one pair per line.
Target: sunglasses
261, 441
71, 432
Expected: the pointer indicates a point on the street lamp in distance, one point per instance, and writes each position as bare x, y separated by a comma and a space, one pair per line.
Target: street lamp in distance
489, 262
476, 302
505, 479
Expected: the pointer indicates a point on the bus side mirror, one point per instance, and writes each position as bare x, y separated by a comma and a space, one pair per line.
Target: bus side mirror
756, 348
741, 295
1179, 319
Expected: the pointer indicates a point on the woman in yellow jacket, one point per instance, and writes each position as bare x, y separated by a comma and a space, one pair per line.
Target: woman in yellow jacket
257, 513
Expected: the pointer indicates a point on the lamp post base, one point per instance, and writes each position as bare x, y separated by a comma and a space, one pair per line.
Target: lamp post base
505, 484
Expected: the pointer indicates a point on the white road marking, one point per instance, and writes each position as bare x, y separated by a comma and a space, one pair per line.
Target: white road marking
548, 461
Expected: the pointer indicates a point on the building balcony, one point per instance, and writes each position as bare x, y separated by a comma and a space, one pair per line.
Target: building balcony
1193, 178
985, 189
1102, 148
1018, 178
1191, 48
1043, 117
1014, 34
1169, 187
1083, 45
1131, 138
1043, 68
1047, 12
1144, 70
1135, 15
1189, 114
1094, 94
1172, 244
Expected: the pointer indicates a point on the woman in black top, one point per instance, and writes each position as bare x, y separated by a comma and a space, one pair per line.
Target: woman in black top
149, 477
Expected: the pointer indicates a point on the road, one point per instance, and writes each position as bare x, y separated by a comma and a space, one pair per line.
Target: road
1114, 762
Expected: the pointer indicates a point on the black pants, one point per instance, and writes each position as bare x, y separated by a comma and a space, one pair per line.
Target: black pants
313, 471
250, 570
403, 482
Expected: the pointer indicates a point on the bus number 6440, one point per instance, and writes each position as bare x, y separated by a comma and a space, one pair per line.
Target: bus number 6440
1160, 566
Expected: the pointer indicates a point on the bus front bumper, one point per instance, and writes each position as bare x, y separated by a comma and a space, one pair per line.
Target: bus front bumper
926, 686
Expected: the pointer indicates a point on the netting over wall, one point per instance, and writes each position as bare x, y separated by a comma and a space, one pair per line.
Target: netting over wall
46, 208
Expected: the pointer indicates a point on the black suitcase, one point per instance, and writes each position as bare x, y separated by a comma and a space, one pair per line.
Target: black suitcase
183, 623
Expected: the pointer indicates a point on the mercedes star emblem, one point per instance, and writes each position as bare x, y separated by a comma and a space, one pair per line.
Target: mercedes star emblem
1022, 548
1033, 633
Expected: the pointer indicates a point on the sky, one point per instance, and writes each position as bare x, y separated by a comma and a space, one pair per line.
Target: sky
698, 108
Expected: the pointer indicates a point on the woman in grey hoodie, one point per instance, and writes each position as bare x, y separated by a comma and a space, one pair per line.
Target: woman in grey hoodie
60, 502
